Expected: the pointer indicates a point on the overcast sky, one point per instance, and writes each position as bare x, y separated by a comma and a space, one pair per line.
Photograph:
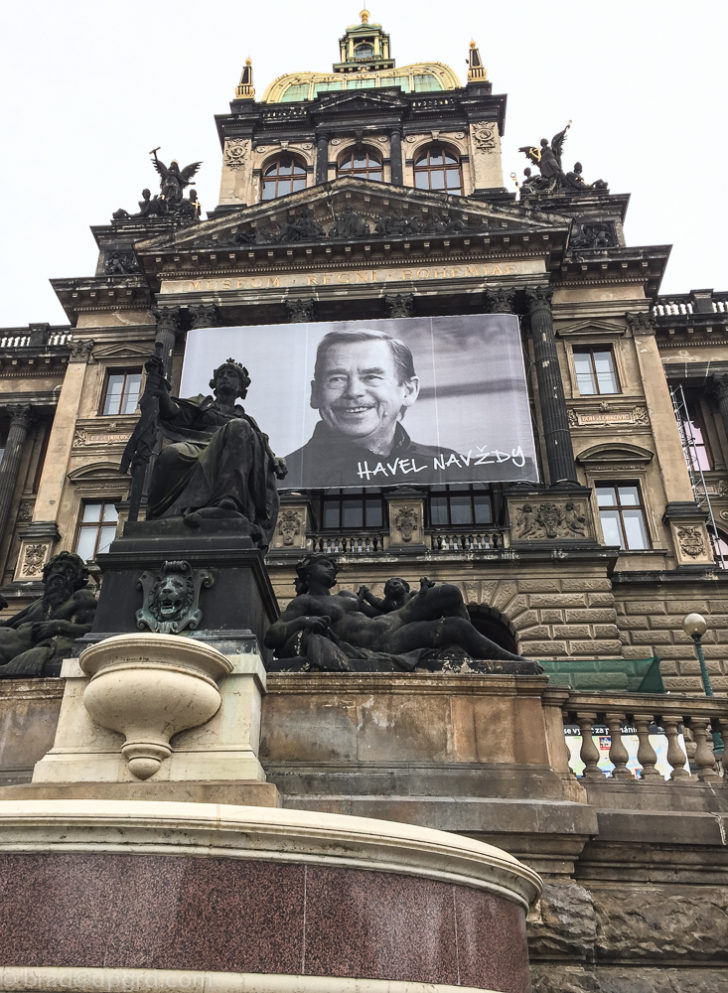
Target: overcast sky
88, 88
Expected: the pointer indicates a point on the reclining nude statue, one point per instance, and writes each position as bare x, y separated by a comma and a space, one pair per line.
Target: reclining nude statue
331, 631
33, 642
220, 464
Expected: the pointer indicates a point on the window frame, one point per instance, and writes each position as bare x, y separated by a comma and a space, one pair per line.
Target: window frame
296, 162
125, 372
350, 153
472, 491
83, 527
619, 507
591, 349
428, 170
349, 498
695, 405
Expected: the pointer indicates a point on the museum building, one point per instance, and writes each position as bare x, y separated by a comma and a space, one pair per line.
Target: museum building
375, 193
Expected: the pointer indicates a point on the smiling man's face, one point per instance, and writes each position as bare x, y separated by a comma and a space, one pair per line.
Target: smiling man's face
358, 393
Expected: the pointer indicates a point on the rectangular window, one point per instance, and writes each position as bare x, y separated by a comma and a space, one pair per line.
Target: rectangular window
622, 515
96, 529
595, 372
351, 509
122, 392
459, 505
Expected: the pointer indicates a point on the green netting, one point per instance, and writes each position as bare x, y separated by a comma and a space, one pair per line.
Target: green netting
607, 675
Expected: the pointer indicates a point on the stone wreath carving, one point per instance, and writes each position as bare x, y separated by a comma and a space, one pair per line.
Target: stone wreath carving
171, 598
236, 152
691, 541
405, 522
551, 520
485, 136
289, 525
33, 559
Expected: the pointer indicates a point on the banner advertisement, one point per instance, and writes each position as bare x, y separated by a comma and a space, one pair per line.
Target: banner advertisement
411, 400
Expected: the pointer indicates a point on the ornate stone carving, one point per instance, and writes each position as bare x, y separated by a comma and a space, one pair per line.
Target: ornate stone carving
551, 520
300, 311
290, 523
349, 224
34, 557
499, 300
399, 304
121, 264
406, 521
485, 135
204, 315
691, 541
594, 236
81, 350
236, 152
573, 419
641, 323
171, 598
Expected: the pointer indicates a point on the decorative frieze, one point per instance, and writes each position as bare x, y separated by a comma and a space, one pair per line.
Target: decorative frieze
550, 520
607, 415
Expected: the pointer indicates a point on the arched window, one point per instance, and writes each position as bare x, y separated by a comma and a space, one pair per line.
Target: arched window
284, 174
361, 162
364, 51
438, 168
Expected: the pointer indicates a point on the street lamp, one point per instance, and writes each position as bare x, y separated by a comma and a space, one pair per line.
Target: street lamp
695, 626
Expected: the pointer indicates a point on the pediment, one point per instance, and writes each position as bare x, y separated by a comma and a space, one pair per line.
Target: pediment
614, 455
358, 101
122, 350
97, 472
351, 210
591, 327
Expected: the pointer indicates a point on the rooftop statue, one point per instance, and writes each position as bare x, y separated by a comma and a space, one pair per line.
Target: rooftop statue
401, 633
34, 641
552, 179
220, 464
174, 179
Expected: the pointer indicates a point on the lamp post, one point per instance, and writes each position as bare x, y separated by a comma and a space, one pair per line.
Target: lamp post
695, 626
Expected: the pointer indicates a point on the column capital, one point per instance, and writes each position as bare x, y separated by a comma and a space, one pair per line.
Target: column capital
168, 319
21, 414
81, 350
538, 296
204, 315
499, 299
641, 323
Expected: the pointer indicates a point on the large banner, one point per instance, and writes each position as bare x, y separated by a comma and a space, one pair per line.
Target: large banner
415, 400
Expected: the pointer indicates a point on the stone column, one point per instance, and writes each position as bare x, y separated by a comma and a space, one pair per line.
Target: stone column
395, 158
168, 326
721, 392
322, 158
21, 417
559, 451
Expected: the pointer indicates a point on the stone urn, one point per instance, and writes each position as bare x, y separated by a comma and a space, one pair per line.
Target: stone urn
150, 687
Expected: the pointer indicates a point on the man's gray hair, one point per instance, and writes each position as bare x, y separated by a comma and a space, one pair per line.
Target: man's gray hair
403, 362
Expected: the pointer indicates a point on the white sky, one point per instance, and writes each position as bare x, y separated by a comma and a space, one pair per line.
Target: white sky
88, 88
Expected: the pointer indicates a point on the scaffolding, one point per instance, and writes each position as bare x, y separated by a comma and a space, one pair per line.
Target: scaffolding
695, 469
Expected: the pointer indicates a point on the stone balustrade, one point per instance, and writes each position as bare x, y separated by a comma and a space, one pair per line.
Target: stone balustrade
688, 723
480, 540
354, 543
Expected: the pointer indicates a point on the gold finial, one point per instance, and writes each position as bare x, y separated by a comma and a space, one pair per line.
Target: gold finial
245, 89
364, 14
248, 62
476, 69
472, 43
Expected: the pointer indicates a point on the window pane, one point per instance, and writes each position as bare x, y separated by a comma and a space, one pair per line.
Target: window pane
91, 512
460, 509
611, 527
584, 377
437, 180
605, 372
133, 385
422, 181
109, 513
483, 509
353, 514
85, 543
106, 536
332, 515
438, 509
635, 530
114, 387
606, 496
629, 496
374, 515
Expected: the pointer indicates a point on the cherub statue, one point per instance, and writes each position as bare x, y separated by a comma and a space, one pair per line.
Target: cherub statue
174, 179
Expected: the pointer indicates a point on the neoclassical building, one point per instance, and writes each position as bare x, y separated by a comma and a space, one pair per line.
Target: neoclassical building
375, 191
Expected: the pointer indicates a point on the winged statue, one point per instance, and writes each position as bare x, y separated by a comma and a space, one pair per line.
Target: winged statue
174, 179
548, 156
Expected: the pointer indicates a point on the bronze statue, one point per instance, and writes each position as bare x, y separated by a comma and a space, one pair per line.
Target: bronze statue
34, 641
174, 179
332, 631
220, 464
548, 156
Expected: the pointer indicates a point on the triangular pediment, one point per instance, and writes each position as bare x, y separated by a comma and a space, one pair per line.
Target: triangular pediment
358, 101
355, 210
591, 327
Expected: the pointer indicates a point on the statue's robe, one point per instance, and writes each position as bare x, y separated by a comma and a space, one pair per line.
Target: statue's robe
215, 456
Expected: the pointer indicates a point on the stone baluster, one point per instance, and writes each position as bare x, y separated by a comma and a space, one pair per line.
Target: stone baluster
557, 436
589, 752
618, 754
21, 417
675, 755
646, 755
395, 158
704, 755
